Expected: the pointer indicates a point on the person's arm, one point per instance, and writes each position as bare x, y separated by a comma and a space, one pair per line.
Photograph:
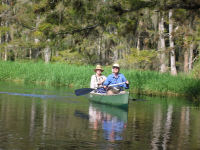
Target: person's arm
103, 78
106, 82
126, 85
93, 82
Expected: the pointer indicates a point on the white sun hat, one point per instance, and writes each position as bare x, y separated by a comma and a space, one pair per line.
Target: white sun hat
116, 65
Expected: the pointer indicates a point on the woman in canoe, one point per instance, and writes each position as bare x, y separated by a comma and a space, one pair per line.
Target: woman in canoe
98, 79
115, 78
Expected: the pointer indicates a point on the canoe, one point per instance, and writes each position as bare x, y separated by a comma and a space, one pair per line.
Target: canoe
119, 100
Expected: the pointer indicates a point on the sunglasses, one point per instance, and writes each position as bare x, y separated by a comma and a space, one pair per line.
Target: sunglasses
115, 67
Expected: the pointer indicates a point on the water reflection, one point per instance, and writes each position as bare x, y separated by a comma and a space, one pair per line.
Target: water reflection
30, 121
112, 120
35, 95
161, 130
184, 127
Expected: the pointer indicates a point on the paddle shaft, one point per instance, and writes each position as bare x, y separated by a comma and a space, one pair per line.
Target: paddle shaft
84, 91
110, 85
116, 84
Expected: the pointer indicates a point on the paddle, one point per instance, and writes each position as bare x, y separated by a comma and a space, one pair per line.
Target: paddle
84, 91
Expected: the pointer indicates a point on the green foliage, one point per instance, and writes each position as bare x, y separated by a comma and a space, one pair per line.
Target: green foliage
41, 6
139, 59
46, 29
96, 31
38, 34
69, 57
4, 30
180, 15
53, 18
142, 82
196, 70
3, 8
25, 15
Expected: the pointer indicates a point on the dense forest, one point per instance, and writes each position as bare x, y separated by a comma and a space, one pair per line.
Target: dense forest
161, 35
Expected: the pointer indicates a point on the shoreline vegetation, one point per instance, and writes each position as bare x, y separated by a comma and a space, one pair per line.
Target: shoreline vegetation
75, 76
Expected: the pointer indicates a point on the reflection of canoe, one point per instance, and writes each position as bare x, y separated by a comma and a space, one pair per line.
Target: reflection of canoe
119, 100
121, 114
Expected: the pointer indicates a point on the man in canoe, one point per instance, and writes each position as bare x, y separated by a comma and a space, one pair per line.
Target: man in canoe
115, 78
97, 79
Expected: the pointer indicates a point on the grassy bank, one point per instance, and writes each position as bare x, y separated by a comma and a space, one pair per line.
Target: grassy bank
143, 82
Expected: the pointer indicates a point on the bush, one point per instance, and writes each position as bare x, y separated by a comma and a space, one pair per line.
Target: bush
196, 70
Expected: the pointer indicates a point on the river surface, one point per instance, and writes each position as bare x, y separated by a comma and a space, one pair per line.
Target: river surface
52, 118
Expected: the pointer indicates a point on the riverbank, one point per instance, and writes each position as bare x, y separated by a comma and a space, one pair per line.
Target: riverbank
58, 74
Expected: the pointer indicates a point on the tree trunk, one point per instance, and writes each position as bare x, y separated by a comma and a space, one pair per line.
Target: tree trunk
186, 61
138, 43
30, 53
103, 51
162, 47
15, 54
7, 39
190, 56
115, 55
47, 54
99, 49
172, 51
5, 54
36, 40
57, 53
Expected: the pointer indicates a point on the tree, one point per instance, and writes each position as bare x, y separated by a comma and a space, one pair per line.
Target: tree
161, 45
171, 41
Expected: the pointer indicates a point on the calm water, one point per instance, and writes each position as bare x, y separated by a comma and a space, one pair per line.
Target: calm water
37, 117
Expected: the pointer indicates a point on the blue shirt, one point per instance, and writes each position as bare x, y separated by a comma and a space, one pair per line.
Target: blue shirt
115, 126
111, 79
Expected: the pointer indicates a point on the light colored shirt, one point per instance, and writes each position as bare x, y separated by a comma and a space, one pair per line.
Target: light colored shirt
112, 79
95, 80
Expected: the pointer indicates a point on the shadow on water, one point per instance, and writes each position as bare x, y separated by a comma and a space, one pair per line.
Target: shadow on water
80, 114
136, 99
133, 97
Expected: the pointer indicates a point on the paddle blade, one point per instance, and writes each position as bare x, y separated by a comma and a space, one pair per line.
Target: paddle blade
83, 91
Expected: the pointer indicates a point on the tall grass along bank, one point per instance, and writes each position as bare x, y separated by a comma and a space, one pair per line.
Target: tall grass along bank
142, 82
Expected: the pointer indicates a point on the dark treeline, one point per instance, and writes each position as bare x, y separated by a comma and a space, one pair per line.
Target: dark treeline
161, 35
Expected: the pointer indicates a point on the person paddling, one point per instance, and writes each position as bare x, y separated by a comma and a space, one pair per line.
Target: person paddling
97, 79
115, 78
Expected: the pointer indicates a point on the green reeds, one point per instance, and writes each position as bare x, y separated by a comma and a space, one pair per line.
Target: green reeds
142, 82
55, 74
155, 83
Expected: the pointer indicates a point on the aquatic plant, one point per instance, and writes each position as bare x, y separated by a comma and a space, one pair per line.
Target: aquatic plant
76, 76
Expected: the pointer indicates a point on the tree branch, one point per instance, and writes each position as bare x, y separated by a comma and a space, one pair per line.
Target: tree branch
151, 4
79, 30
181, 5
